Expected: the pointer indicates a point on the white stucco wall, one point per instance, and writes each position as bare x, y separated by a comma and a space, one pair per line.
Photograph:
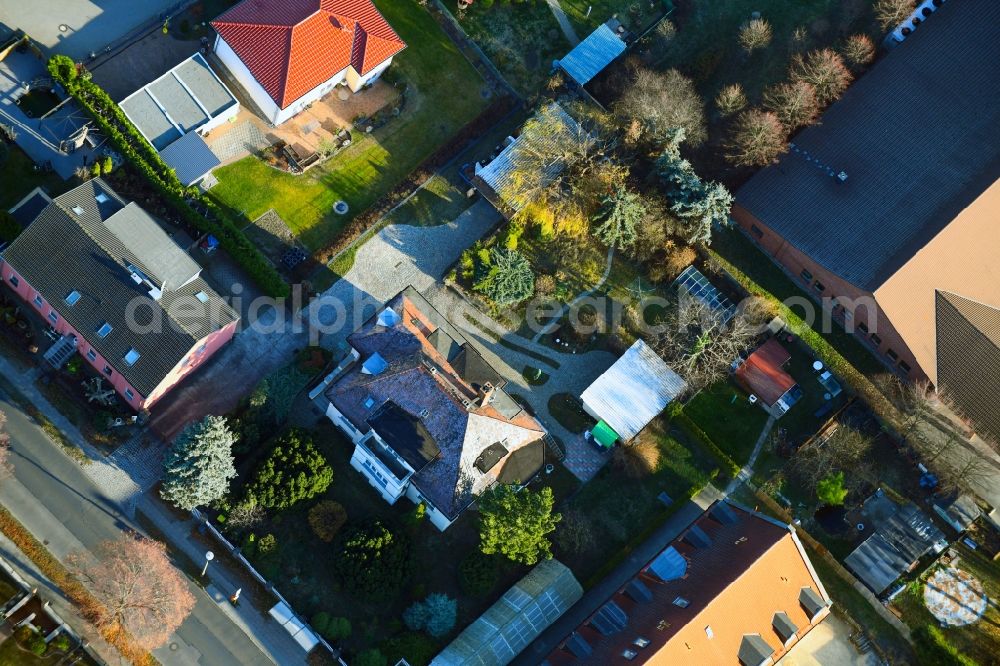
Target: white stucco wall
356, 82
438, 519
240, 72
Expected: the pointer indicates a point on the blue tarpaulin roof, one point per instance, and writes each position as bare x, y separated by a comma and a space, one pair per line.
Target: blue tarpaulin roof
592, 55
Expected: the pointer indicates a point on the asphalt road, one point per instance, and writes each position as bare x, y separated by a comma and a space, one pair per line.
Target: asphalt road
49, 488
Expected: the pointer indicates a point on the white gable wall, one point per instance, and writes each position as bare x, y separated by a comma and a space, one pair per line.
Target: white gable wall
246, 79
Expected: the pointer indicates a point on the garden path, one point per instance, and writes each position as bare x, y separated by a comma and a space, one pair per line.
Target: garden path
564, 23
747, 470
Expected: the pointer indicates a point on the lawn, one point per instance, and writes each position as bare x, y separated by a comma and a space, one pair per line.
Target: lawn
800, 422
636, 16
980, 640
521, 39
614, 519
707, 48
19, 177
444, 94
723, 412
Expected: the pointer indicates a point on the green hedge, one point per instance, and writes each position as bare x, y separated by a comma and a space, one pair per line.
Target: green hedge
140, 153
834, 361
699, 435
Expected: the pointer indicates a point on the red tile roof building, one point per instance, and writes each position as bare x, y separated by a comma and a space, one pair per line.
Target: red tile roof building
763, 375
735, 588
289, 53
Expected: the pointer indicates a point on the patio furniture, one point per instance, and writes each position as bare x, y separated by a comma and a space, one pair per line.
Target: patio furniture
830, 383
817, 365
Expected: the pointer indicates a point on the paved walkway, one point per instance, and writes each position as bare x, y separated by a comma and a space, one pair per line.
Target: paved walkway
747, 472
243, 139
600, 593
569, 306
564, 22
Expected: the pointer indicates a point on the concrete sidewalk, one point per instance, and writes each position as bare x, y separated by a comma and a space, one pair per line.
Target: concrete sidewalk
600, 593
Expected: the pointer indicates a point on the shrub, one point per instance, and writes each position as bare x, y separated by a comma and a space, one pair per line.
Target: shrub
436, 615
859, 51
416, 648
831, 490
509, 279
794, 103
730, 99
825, 70
755, 34
331, 628
320, 621
370, 657
326, 518
294, 471
36, 644
61, 642
516, 524
107, 165
268, 545
9, 227
477, 574
373, 560
95, 170
757, 138
637, 460
677, 259
890, 13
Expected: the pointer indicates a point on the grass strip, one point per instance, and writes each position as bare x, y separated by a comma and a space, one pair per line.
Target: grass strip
53, 569
692, 430
47, 426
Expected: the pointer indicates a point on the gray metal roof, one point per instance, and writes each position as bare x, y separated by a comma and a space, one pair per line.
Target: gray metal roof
167, 263
593, 54
512, 623
69, 247
190, 158
180, 101
918, 137
897, 543
633, 391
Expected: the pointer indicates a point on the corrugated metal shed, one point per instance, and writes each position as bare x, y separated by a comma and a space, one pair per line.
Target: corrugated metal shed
633, 391
527, 609
593, 54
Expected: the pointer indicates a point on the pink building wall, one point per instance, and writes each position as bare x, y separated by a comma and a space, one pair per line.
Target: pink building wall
199, 353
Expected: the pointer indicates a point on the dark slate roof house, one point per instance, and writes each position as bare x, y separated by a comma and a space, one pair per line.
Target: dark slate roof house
889, 204
428, 415
119, 290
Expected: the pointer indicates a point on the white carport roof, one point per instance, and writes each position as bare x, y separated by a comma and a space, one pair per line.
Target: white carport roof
633, 391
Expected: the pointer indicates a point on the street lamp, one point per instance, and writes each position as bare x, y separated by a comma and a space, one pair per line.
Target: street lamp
209, 556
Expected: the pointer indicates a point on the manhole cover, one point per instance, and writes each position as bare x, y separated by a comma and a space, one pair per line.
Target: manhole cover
63, 27
174, 647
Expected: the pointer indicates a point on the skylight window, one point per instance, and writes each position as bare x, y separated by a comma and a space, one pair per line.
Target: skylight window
77, 210
202, 296
131, 357
73, 297
104, 330
102, 197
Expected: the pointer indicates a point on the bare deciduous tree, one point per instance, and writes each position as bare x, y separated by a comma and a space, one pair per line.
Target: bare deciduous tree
661, 102
140, 591
890, 13
730, 99
825, 70
844, 450
859, 51
757, 139
699, 343
755, 34
794, 103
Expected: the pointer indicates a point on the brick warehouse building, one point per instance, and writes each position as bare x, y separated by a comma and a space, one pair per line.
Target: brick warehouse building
90, 263
893, 200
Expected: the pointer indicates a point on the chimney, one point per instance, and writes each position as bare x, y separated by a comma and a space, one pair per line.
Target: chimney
486, 392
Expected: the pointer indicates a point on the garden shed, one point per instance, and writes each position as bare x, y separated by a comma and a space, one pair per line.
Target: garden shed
513, 622
593, 54
630, 394
763, 375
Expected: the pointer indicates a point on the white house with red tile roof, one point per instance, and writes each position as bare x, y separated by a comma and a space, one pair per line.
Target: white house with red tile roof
289, 53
